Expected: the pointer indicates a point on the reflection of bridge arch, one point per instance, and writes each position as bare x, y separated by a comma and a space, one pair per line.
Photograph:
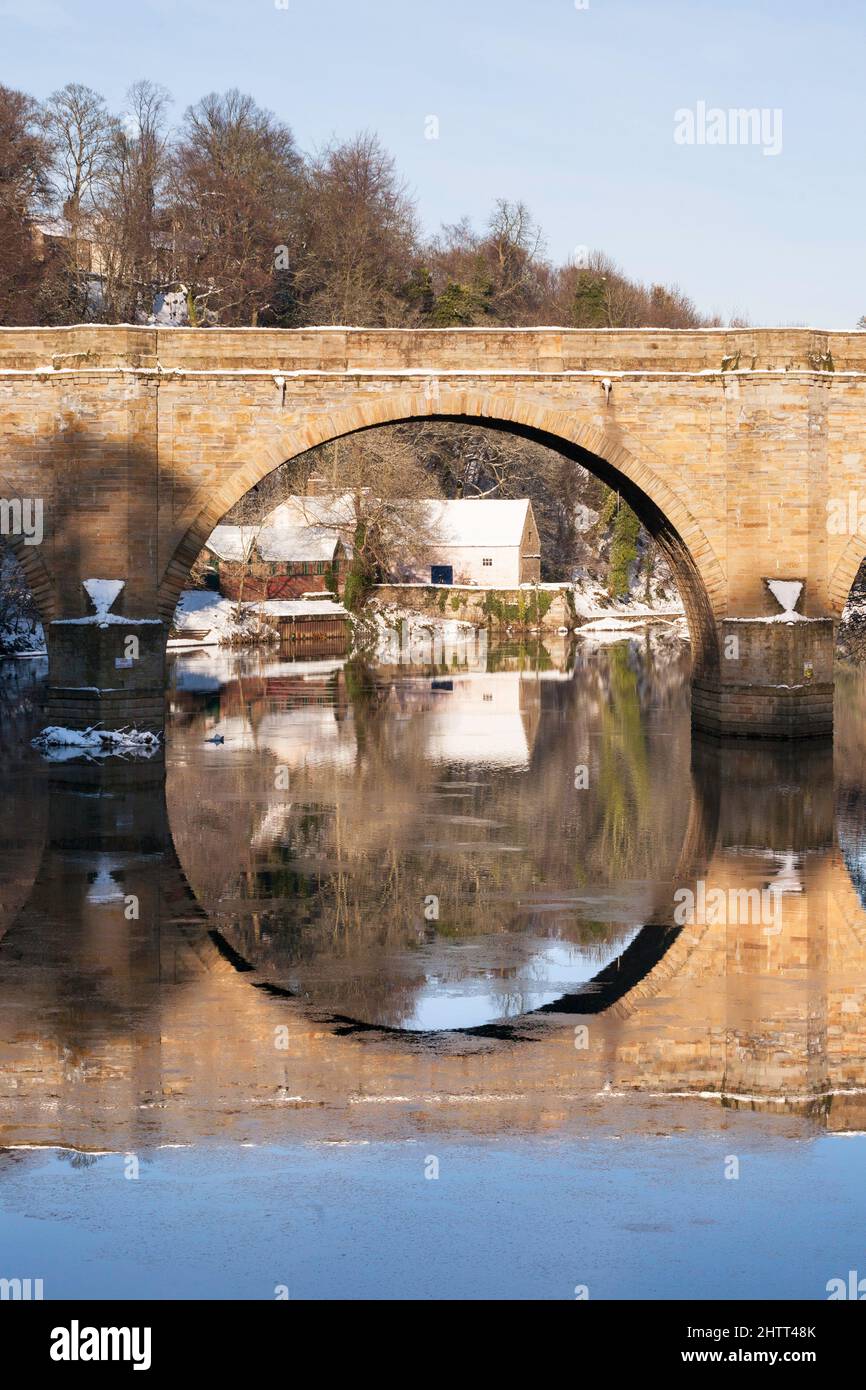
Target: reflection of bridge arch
124, 833
654, 956
153, 1027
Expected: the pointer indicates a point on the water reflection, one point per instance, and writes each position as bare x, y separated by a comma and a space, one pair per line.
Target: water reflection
388, 888
428, 849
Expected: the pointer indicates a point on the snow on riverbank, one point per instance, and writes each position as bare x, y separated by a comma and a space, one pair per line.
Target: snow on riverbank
593, 605
397, 635
59, 744
206, 618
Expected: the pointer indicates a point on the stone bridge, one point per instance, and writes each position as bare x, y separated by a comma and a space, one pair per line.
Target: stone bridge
740, 450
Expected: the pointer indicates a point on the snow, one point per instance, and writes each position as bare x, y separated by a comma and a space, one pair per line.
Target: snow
231, 543
402, 636
779, 618
102, 594
202, 608
285, 535
170, 309
592, 602
610, 625
296, 543
94, 620
59, 744
304, 607
227, 621
584, 518
477, 521
22, 638
786, 592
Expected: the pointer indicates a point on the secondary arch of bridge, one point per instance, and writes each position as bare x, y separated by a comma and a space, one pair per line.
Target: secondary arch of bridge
698, 573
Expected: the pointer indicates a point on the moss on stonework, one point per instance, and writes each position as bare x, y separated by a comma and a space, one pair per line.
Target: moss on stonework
529, 610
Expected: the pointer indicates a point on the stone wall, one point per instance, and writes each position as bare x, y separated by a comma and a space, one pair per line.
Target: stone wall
545, 609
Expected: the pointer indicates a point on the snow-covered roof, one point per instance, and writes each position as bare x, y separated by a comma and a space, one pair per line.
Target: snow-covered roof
296, 543
302, 608
477, 521
335, 510
231, 542
285, 537
307, 528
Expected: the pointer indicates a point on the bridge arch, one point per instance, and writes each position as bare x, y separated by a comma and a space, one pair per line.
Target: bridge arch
29, 558
697, 571
845, 572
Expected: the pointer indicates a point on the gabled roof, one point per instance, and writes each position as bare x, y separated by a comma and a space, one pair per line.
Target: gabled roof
478, 522
230, 542
306, 528
296, 543
304, 543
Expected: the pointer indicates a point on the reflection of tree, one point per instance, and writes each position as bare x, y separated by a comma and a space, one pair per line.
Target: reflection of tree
624, 773
324, 885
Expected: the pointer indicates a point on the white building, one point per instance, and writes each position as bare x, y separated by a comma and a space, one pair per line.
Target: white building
477, 540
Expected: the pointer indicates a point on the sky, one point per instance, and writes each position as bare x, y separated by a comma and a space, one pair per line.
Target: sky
569, 105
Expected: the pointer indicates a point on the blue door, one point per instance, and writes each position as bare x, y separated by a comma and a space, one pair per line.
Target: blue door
441, 574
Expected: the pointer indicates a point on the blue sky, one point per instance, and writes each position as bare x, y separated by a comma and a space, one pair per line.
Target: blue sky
570, 109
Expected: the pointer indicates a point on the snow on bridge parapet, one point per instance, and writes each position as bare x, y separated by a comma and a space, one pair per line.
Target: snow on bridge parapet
474, 351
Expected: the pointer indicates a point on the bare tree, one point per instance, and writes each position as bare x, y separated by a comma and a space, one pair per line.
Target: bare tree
375, 500
133, 226
25, 194
82, 134
236, 210
360, 237
18, 613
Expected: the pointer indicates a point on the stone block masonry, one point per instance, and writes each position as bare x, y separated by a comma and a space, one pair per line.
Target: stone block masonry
739, 450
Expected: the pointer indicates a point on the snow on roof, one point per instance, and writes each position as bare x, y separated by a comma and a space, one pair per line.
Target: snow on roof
335, 510
287, 534
307, 528
230, 542
302, 608
478, 521
296, 543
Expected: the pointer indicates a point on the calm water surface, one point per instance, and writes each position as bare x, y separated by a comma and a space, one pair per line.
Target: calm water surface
429, 909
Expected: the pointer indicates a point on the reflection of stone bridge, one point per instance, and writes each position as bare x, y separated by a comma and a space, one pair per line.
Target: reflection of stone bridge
119, 1029
734, 447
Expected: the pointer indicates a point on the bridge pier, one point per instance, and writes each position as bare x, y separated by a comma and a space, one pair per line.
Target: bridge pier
111, 673
774, 680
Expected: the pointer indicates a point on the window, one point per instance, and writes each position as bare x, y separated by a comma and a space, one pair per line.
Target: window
486, 561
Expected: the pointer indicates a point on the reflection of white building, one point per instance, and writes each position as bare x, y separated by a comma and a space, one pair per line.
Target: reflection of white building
488, 718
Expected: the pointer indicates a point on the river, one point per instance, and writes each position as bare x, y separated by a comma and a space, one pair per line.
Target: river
385, 954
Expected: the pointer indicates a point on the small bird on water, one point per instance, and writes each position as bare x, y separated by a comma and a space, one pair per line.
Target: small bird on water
217, 738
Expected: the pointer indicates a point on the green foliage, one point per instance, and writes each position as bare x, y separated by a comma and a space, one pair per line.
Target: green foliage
460, 305
360, 577
529, 610
356, 588
419, 292
589, 308
623, 548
